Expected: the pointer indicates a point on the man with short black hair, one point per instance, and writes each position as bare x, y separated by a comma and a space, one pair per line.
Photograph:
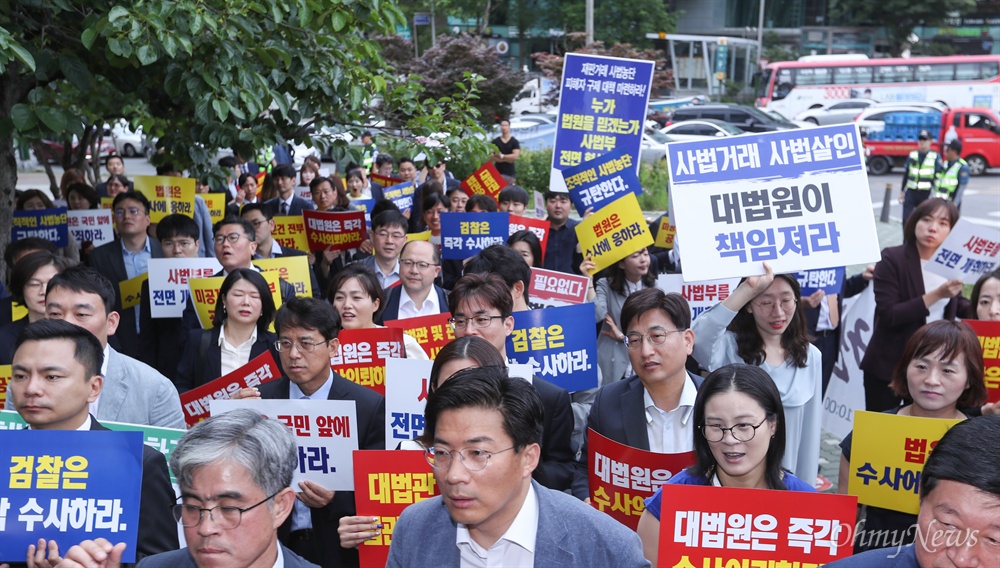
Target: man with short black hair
508, 264
483, 436
919, 175
388, 238
383, 165
287, 203
115, 166
513, 199
508, 151
480, 203
954, 174
418, 295
561, 251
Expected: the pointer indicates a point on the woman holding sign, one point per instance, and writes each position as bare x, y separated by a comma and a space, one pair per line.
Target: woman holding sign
762, 323
942, 373
243, 314
739, 442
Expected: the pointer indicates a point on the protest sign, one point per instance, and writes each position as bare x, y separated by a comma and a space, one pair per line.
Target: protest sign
421, 236
557, 346
290, 232
597, 182
602, 107
621, 476
846, 390
614, 232
385, 181
17, 311
205, 294
167, 195
969, 251
131, 290
216, 203
989, 339
334, 231
554, 288
168, 283
484, 181
107, 202
196, 403
728, 526
5, 374
701, 296
291, 269
363, 352
540, 227
406, 386
365, 205
431, 332
887, 455
304, 192
401, 195
829, 280
48, 224
465, 234
665, 233
69, 486
789, 198
539, 201
93, 225
385, 483
326, 432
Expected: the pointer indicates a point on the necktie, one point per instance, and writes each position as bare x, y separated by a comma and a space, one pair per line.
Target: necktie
284, 208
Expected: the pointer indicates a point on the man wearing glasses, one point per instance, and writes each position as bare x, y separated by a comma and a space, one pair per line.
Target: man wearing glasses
388, 237
126, 258
484, 438
651, 410
234, 471
420, 265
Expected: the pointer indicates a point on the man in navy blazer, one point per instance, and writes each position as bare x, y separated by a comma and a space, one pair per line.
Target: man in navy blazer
483, 431
307, 336
417, 295
287, 203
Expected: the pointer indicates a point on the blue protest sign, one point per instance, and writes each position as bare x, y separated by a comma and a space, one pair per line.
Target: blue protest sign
602, 108
600, 181
465, 234
559, 344
401, 194
69, 486
366, 206
48, 224
828, 280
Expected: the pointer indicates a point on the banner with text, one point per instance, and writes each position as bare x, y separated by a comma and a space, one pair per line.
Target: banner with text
216, 203
553, 288
290, 232
989, 339
363, 353
598, 182
484, 181
665, 233
168, 283
969, 251
385, 181
334, 231
556, 345
406, 386
431, 332
701, 296
48, 224
846, 391
197, 403
291, 269
465, 234
540, 227
829, 280
166, 195
93, 225
131, 290
616, 231
6, 371
401, 195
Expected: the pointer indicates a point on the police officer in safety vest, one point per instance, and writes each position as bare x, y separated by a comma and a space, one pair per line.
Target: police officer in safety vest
370, 151
922, 167
954, 175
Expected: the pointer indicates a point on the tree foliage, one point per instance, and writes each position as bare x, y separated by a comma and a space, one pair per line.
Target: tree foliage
898, 17
619, 21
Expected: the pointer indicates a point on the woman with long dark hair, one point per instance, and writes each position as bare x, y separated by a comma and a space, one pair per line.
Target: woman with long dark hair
526, 243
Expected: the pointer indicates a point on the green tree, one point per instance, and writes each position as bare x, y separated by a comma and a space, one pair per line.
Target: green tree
898, 17
616, 21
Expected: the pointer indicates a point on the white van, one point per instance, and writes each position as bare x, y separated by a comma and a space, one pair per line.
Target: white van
531, 99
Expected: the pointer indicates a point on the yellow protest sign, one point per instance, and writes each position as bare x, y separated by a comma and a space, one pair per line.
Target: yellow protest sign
614, 232
216, 203
665, 233
887, 455
205, 294
107, 202
291, 269
17, 311
167, 195
5, 374
424, 236
131, 290
290, 232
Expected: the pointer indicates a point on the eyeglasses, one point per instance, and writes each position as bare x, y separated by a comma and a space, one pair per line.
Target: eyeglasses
306, 346
656, 337
422, 265
478, 321
233, 238
229, 517
472, 458
131, 212
786, 305
742, 432
388, 235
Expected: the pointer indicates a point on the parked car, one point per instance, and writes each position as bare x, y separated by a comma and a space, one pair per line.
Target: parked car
127, 142
704, 129
872, 119
835, 112
746, 118
52, 150
654, 146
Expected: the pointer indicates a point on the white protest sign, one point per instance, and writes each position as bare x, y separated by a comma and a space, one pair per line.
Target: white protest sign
789, 198
406, 384
326, 432
92, 225
168, 283
969, 251
701, 296
846, 391
540, 211
550, 288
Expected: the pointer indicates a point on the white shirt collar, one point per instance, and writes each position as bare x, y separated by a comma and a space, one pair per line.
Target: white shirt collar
223, 340
522, 532
322, 393
279, 562
685, 405
430, 302
83, 427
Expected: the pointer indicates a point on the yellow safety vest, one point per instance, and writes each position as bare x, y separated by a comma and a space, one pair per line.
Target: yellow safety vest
920, 176
947, 182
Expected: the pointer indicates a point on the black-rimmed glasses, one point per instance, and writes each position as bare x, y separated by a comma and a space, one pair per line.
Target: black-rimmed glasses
742, 432
229, 517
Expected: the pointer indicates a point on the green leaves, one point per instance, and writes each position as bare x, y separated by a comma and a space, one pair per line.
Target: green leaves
53, 119
23, 118
116, 14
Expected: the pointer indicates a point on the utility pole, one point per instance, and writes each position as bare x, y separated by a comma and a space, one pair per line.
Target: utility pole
590, 21
760, 32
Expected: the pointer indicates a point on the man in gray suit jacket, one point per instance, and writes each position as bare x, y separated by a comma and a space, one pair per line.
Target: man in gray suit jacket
234, 470
482, 431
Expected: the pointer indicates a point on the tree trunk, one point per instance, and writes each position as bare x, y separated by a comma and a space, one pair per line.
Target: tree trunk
13, 89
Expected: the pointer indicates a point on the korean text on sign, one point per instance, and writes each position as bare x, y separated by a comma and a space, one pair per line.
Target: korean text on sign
553, 288
701, 296
431, 332
290, 232
540, 227
334, 231
406, 386
401, 194
168, 283
989, 339
166, 195
48, 224
291, 269
484, 181
557, 347
93, 225
597, 182
197, 403
363, 352
465, 234
969, 251
614, 232
829, 280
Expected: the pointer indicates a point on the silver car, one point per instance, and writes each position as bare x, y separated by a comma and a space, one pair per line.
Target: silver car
835, 112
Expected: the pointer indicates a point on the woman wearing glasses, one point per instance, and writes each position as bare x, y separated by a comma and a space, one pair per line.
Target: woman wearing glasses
738, 442
357, 297
243, 312
761, 323
28, 281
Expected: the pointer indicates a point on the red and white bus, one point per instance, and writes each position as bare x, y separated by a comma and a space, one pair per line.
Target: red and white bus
791, 87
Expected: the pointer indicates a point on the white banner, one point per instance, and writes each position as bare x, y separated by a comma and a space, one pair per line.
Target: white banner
701, 296
406, 384
846, 391
969, 251
91, 225
168, 283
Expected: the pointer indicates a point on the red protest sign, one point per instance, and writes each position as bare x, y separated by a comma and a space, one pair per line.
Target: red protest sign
431, 332
621, 476
363, 353
725, 526
334, 231
554, 288
484, 181
262, 369
385, 181
385, 483
538, 226
989, 338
